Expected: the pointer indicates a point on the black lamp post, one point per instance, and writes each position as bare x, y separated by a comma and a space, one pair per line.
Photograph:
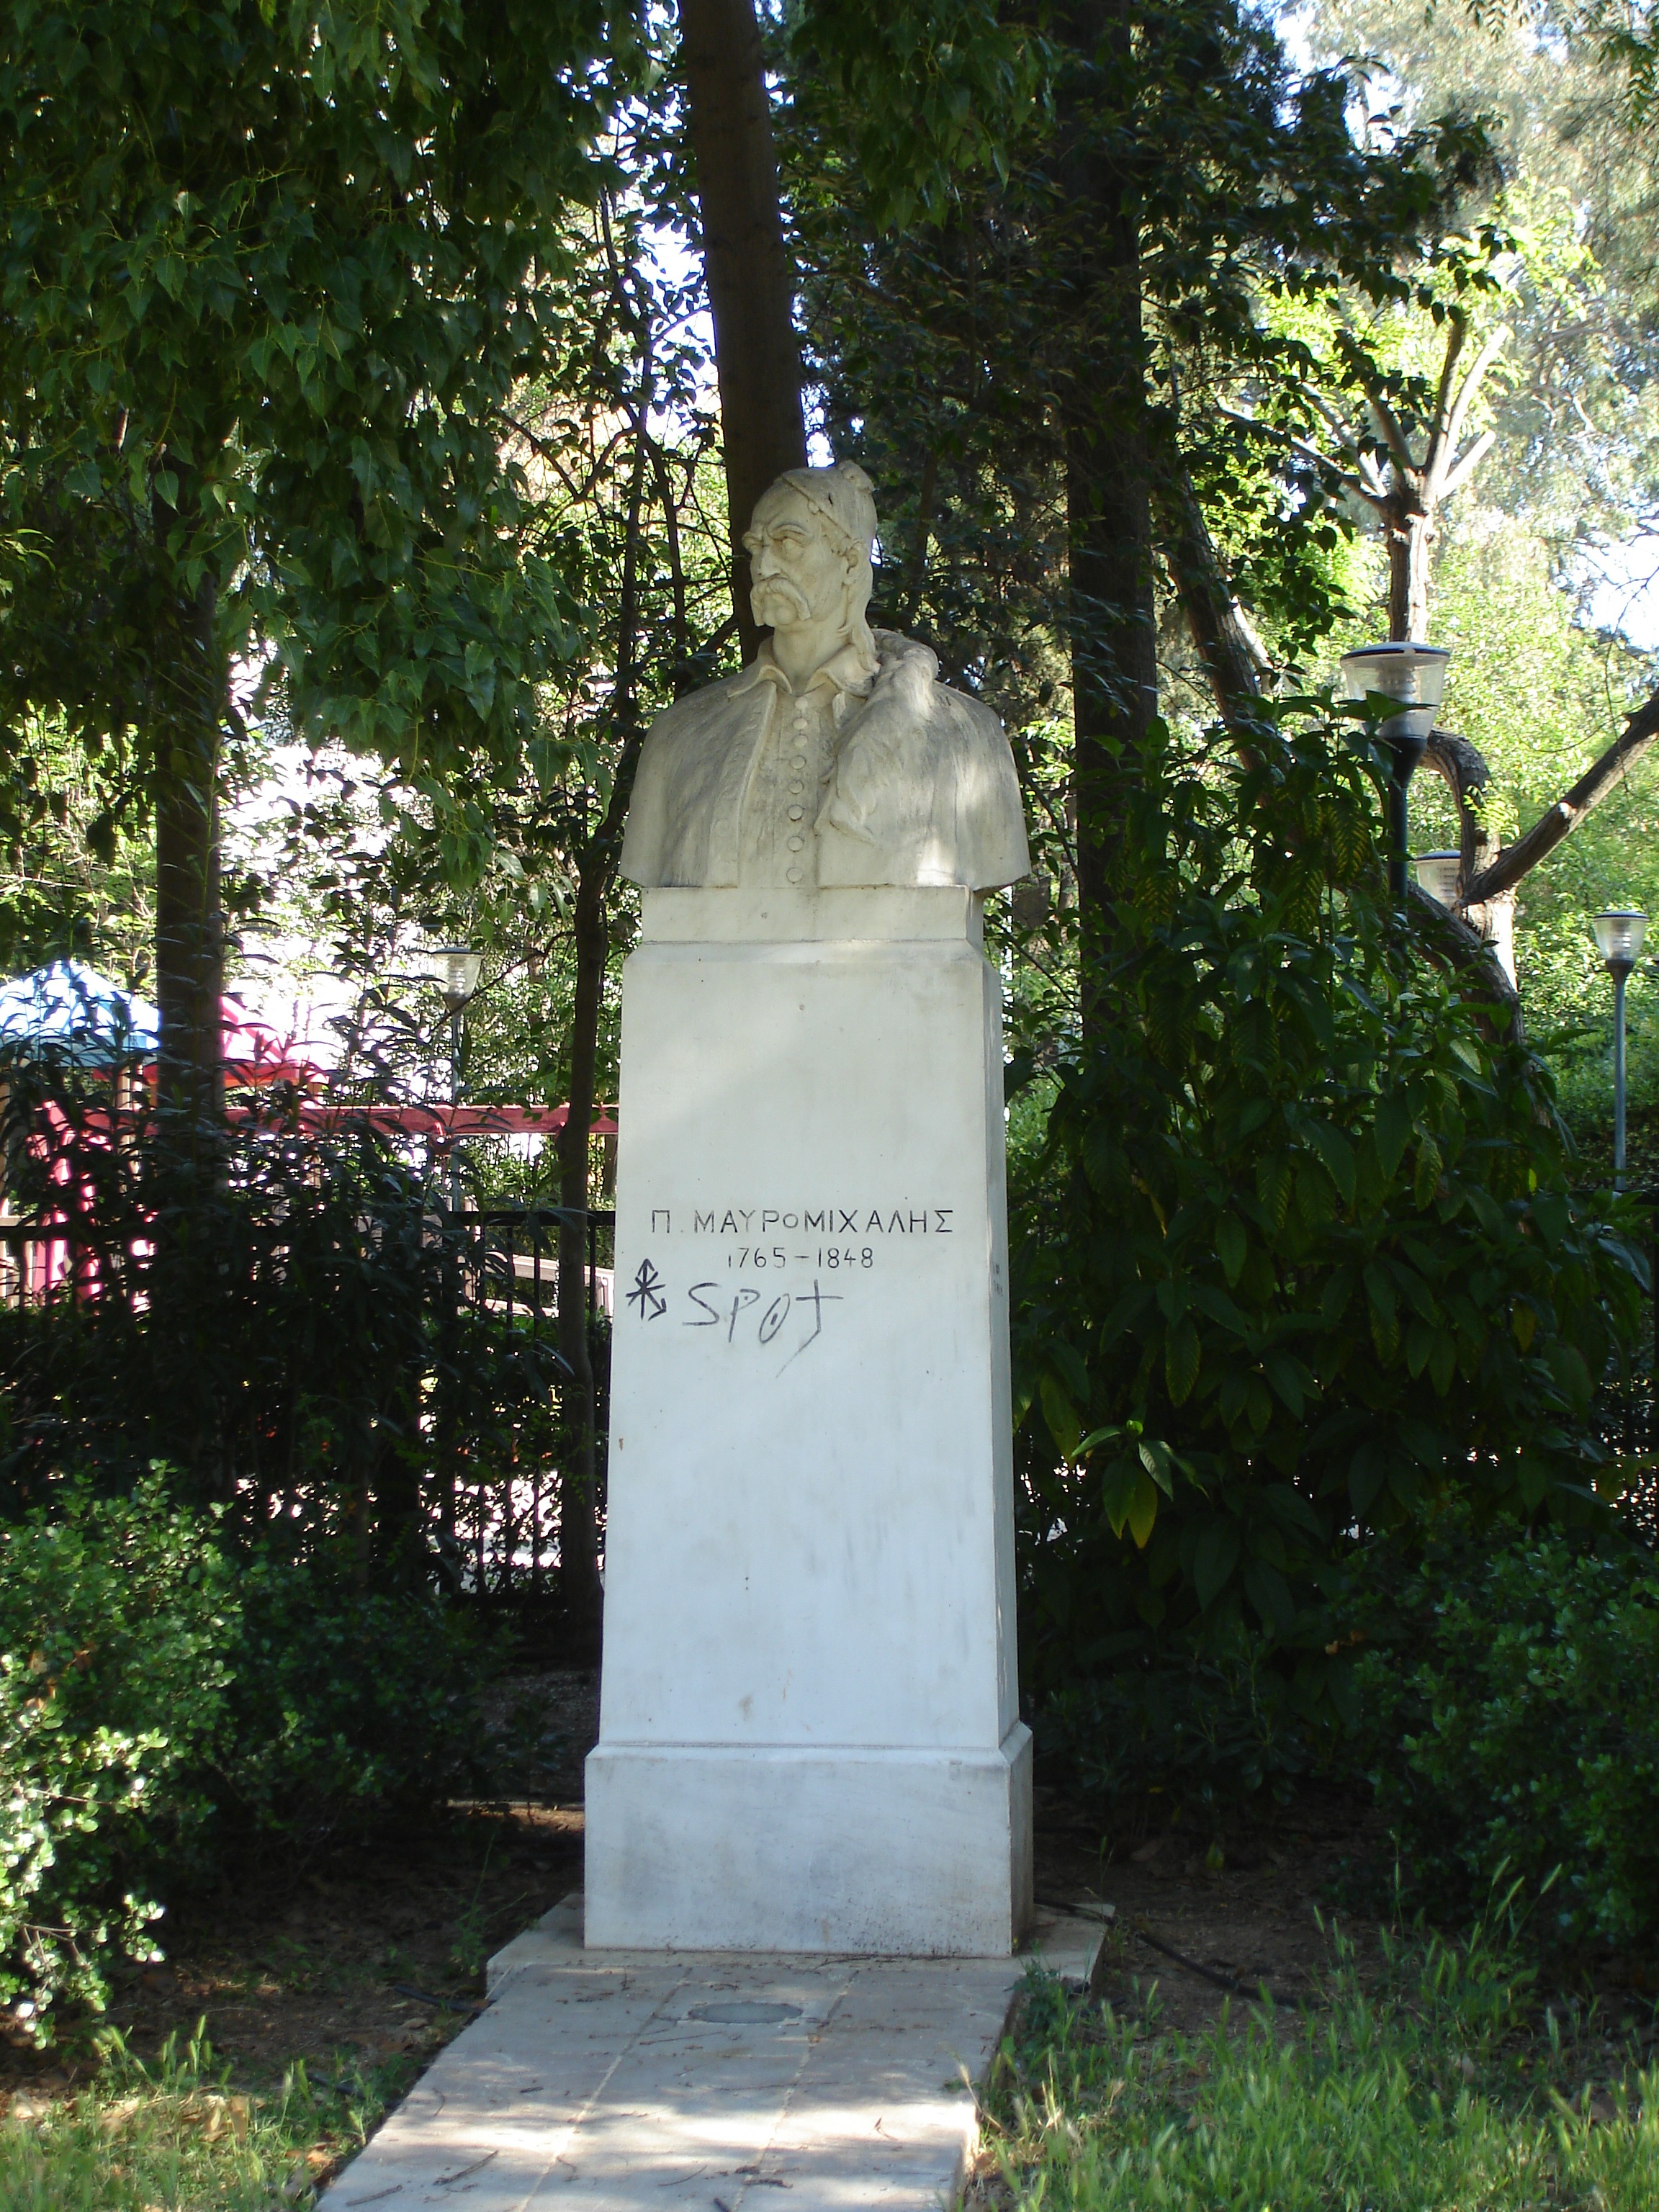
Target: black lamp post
1412, 678
1618, 934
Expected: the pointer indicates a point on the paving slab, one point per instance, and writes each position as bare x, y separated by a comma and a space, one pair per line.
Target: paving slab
705, 2081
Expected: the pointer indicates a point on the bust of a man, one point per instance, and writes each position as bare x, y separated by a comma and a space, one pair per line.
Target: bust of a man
836, 758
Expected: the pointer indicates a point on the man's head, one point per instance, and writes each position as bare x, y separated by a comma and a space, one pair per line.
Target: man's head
809, 549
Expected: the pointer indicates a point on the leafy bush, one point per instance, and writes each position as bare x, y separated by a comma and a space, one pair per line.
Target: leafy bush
1299, 1251
117, 1624
1510, 1724
347, 1706
164, 1702
1206, 1730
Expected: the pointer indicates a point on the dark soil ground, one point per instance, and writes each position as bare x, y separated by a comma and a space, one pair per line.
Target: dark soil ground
1210, 1926
368, 1959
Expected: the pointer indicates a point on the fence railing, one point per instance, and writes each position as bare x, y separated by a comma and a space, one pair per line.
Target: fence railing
492, 1491
500, 1532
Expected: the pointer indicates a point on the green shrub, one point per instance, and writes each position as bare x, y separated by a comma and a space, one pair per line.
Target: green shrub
1202, 1731
347, 1707
1300, 1252
164, 1704
1510, 1725
117, 1625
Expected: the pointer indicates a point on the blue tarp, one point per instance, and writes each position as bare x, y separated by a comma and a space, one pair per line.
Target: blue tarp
73, 1013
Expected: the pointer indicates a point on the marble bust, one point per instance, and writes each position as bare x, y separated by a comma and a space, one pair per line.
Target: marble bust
836, 758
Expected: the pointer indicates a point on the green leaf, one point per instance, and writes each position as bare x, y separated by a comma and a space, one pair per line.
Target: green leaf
1181, 1359
1391, 1132
1282, 1373
1337, 1153
1232, 1245
1336, 1297
1060, 1414
1270, 1593
1368, 1471
1159, 1463
1553, 1212
1069, 1360
1272, 1187
1143, 1512
1316, 1201
1426, 1180
1214, 1560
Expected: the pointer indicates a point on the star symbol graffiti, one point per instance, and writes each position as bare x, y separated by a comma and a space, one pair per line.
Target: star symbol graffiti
646, 1293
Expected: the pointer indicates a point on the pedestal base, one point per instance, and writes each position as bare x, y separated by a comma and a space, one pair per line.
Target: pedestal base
809, 1724
908, 1853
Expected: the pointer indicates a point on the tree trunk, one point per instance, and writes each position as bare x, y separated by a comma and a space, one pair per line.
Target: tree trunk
1408, 528
751, 287
189, 938
1108, 481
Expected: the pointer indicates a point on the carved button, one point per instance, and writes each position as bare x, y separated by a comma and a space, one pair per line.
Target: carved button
796, 789
797, 813
794, 875
795, 844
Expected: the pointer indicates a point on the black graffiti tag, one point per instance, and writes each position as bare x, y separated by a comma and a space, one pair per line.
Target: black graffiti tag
647, 1294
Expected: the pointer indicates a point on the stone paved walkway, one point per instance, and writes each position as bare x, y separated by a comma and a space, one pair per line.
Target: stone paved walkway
614, 2081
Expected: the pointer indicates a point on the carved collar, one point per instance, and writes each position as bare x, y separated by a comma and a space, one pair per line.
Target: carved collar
848, 669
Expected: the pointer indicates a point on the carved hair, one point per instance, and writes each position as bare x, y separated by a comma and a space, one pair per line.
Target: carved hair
843, 499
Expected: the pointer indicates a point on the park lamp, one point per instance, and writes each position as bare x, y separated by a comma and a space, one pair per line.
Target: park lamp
1618, 934
1619, 931
1413, 678
1438, 873
456, 968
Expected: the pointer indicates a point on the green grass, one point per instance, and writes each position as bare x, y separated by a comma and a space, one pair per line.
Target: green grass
1432, 2095
173, 2137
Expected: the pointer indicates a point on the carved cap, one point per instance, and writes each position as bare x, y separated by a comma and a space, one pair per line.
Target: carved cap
842, 496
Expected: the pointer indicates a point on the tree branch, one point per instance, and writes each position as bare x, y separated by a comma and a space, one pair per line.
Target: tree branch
1389, 423
1345, 476
1458, 477
1471, 383
1232, 657
1592, 787
1441, 439
1471, 954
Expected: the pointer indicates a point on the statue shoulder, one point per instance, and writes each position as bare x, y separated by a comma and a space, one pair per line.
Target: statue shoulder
697, 709
906, 662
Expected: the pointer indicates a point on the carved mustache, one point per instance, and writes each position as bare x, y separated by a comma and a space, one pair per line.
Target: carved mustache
780, 587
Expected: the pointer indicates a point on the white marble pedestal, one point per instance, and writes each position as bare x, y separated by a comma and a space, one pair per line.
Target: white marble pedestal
809, 1736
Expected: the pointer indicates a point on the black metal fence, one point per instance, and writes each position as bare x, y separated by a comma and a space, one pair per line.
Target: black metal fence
502, 1517
488, 1418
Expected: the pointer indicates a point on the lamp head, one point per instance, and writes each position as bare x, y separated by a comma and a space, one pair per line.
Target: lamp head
1412, 675
1620, 931
455, 969
1438, 874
